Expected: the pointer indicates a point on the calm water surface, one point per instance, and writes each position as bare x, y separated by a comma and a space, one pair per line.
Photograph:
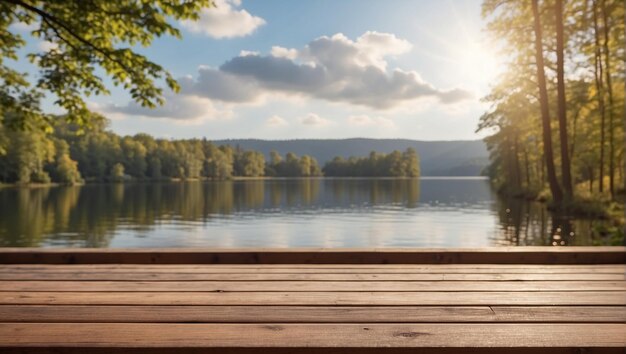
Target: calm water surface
435, 212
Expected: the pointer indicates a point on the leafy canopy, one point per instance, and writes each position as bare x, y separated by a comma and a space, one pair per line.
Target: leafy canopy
86, 36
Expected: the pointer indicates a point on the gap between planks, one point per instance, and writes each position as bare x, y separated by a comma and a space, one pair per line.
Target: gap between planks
501, 255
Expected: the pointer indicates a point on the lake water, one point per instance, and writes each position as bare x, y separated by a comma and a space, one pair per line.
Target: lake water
427, 212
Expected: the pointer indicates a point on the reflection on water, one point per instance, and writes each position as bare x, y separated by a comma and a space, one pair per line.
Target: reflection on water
283, 213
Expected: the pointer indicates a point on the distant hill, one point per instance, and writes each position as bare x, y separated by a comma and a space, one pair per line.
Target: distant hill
437, 158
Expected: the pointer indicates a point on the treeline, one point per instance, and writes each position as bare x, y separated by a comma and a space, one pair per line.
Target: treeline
557, 111
292, 166
97, 154
395, 164
72, 155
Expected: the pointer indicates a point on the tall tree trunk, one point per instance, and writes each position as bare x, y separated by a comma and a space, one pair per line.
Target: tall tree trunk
555, 189
572, 150
541, 165
566, 174
609, 90
620, 171
526, 166
598, 73
518, 169
624, 134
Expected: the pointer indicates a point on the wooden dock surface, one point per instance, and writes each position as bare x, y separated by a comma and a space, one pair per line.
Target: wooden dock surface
517, 300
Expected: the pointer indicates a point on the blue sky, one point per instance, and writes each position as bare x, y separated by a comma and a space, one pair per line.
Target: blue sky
395, 69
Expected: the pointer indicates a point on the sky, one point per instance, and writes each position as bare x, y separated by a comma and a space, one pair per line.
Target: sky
283, 69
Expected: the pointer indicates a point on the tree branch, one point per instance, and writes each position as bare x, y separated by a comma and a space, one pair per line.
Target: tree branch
46, 16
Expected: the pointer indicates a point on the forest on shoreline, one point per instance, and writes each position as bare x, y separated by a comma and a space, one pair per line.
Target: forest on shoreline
73, 154
556, 121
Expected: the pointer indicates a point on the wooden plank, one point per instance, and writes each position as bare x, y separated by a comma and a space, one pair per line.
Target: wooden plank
312, 350
560, 314
418, 267
311, 335
552, 298
306, 277
260, 269
312, 314
501, 255
300, 286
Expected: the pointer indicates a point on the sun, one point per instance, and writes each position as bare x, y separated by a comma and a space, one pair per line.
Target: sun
479, 65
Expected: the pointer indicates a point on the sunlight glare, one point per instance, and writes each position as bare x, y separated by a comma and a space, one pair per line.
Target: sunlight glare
479, 65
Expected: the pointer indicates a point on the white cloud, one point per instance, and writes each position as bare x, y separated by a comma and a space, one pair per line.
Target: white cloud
314, 120
333, 69
225, 20
375, 46
281, 52
245, 53
339, 69
218, 85
276, 121
369, 50
365, 120
181, 108
455, 95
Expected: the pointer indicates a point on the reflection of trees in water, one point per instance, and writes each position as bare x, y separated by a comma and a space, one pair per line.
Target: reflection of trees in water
31, 216
348, 192
293, 192
247, 194
527, 223
89, 215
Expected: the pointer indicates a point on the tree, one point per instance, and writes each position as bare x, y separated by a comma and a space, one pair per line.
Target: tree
26, 156
117, 172
67, 170
598, 73
566, 175
580, 39
291, 165
609, 89
394, 164
555, 189
250, 164
412, 163
85, 36
275, 158
134, 157
304, 166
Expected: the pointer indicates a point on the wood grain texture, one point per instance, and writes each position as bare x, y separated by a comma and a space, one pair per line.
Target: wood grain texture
312, 335
302, 286
151, 276
259, 301
546, 298
501, 255
312, 314
418, 267
298, 269
313, 350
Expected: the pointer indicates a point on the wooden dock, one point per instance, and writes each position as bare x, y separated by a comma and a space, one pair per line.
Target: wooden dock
499, 300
